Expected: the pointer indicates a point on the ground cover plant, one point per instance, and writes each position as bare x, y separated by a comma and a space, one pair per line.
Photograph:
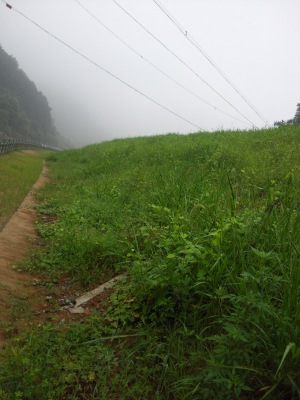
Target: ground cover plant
18, 172
208, 228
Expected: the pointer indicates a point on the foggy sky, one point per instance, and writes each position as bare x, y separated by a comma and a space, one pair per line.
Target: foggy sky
255, 42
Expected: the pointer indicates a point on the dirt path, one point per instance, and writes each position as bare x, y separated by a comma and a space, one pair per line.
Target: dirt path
16, 289
26, 300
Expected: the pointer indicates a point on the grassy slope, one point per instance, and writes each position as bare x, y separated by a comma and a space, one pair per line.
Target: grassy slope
208, 228
18, 172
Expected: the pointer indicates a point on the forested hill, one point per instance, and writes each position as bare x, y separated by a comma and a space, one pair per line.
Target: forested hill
24, 111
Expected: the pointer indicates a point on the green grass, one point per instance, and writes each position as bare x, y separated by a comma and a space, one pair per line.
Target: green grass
18, 172
208, 228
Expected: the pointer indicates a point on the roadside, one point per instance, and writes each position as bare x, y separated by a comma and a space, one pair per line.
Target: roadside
16, 290
29, 300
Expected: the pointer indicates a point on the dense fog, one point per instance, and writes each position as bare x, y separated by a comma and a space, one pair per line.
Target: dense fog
93, 81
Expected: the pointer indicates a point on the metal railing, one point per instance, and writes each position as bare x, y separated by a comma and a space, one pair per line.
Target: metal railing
11, 145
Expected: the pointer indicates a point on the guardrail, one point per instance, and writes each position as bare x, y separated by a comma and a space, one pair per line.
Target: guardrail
11, 145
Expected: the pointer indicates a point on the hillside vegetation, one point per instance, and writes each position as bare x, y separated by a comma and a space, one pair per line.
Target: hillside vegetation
24, 111
18, 172
208, 228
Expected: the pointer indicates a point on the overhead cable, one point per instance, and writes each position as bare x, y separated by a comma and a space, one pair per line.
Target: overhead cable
198, 47
99, 66
183, 62
153, 65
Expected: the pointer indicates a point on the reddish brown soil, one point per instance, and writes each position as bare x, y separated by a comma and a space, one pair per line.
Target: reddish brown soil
16, 288
27, 300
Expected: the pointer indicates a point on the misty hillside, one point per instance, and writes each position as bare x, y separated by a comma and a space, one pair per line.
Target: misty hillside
24, 111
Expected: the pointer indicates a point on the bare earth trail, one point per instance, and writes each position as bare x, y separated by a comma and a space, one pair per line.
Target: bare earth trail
16, 288
24, 297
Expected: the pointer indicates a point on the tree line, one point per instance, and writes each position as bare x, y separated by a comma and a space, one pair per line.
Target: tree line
24, 110
292, 121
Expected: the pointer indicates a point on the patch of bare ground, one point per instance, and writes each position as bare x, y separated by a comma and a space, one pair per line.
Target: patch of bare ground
28, 300
16, 290
25, 300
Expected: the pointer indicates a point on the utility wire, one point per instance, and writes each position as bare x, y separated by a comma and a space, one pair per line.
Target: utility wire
100, 67
184, 63
153, 65
198, 47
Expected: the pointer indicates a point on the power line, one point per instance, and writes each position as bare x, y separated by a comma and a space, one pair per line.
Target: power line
198, 47
183, 62
99, 66
153, 65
